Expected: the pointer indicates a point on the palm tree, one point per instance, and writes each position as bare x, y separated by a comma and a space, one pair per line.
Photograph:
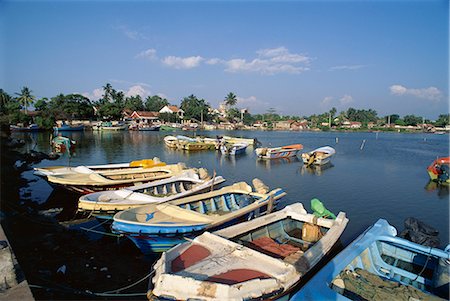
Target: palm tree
25, 98
230, 100
108, 90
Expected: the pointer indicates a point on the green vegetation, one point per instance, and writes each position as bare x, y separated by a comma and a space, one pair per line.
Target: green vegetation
113, 104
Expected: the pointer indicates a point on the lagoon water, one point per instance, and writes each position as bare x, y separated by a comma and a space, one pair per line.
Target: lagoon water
384, 177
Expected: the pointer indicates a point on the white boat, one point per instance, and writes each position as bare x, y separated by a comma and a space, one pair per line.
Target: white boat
133, 165
278, 152
256, 260
233, 149
319, 156
104, 204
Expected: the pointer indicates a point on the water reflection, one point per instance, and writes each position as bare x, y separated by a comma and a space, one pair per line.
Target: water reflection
442, 190
315, 169
269, 164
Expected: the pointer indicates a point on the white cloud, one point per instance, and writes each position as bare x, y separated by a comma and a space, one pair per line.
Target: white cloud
430, 93
329, 101
326, 101
147, 54
182, 63
137, 90
271, 61
94, 95
213, 61
129, 33
252, 103
347, 67
345, 100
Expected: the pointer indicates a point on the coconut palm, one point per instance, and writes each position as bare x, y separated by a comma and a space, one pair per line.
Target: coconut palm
25, 98
230, 100
108, 92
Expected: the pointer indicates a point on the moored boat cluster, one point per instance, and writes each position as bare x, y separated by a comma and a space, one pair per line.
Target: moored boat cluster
233, 242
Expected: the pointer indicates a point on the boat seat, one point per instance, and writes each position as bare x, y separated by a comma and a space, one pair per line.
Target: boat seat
224, 203
202, 207
234, 203
213, 205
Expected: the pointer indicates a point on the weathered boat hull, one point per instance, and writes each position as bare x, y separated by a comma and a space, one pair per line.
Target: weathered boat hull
152, 230
259, 259
390, 260
278, 152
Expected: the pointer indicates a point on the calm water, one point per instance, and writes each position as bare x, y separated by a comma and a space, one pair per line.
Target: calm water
385, 179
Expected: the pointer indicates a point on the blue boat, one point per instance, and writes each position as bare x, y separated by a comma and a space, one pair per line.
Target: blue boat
158, 227
380, 265
67, 127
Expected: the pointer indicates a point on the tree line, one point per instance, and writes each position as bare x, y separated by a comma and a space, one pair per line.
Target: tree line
14, 109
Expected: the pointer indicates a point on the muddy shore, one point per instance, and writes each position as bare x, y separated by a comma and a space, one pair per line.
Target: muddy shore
61, 263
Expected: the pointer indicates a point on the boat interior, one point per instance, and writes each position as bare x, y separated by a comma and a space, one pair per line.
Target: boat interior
282, 238
137, 175
221, 204
389, 264
167, 189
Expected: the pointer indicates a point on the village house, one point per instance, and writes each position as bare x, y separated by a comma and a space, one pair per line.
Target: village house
299, 125
144, 116
283, 125
351, 124
173, 110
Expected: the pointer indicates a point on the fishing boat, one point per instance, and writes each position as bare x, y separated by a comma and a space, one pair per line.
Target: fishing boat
30, 128
167, 128
147, 127
64, 127
105, 204
319, 156
248, 141
439, 170
63, 144
256, 260
233, 149
133, 165
378, 265
158, 227
278, 152
110, 126
85, 180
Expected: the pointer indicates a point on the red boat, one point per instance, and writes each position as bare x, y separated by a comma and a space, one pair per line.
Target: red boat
439, 170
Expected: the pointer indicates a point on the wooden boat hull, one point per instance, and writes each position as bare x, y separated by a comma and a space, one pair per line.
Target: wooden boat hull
154, 228
389, 259
107, 203
90, 181
237, 264
278, 152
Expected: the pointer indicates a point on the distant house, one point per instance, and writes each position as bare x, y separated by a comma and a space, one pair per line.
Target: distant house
355, 124
144, 116
351, 124
283, 125
173, 110
299, 125
259, 124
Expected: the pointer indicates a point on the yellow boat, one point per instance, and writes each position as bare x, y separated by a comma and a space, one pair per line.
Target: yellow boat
85, 180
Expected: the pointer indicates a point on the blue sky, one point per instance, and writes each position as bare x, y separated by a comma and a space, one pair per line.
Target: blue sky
299, 57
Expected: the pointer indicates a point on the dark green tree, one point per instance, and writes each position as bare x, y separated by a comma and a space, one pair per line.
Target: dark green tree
133, 103
412, 120
195, 108
155, 103
443, 120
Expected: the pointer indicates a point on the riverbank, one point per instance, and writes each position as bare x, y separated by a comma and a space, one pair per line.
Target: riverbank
58, 261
